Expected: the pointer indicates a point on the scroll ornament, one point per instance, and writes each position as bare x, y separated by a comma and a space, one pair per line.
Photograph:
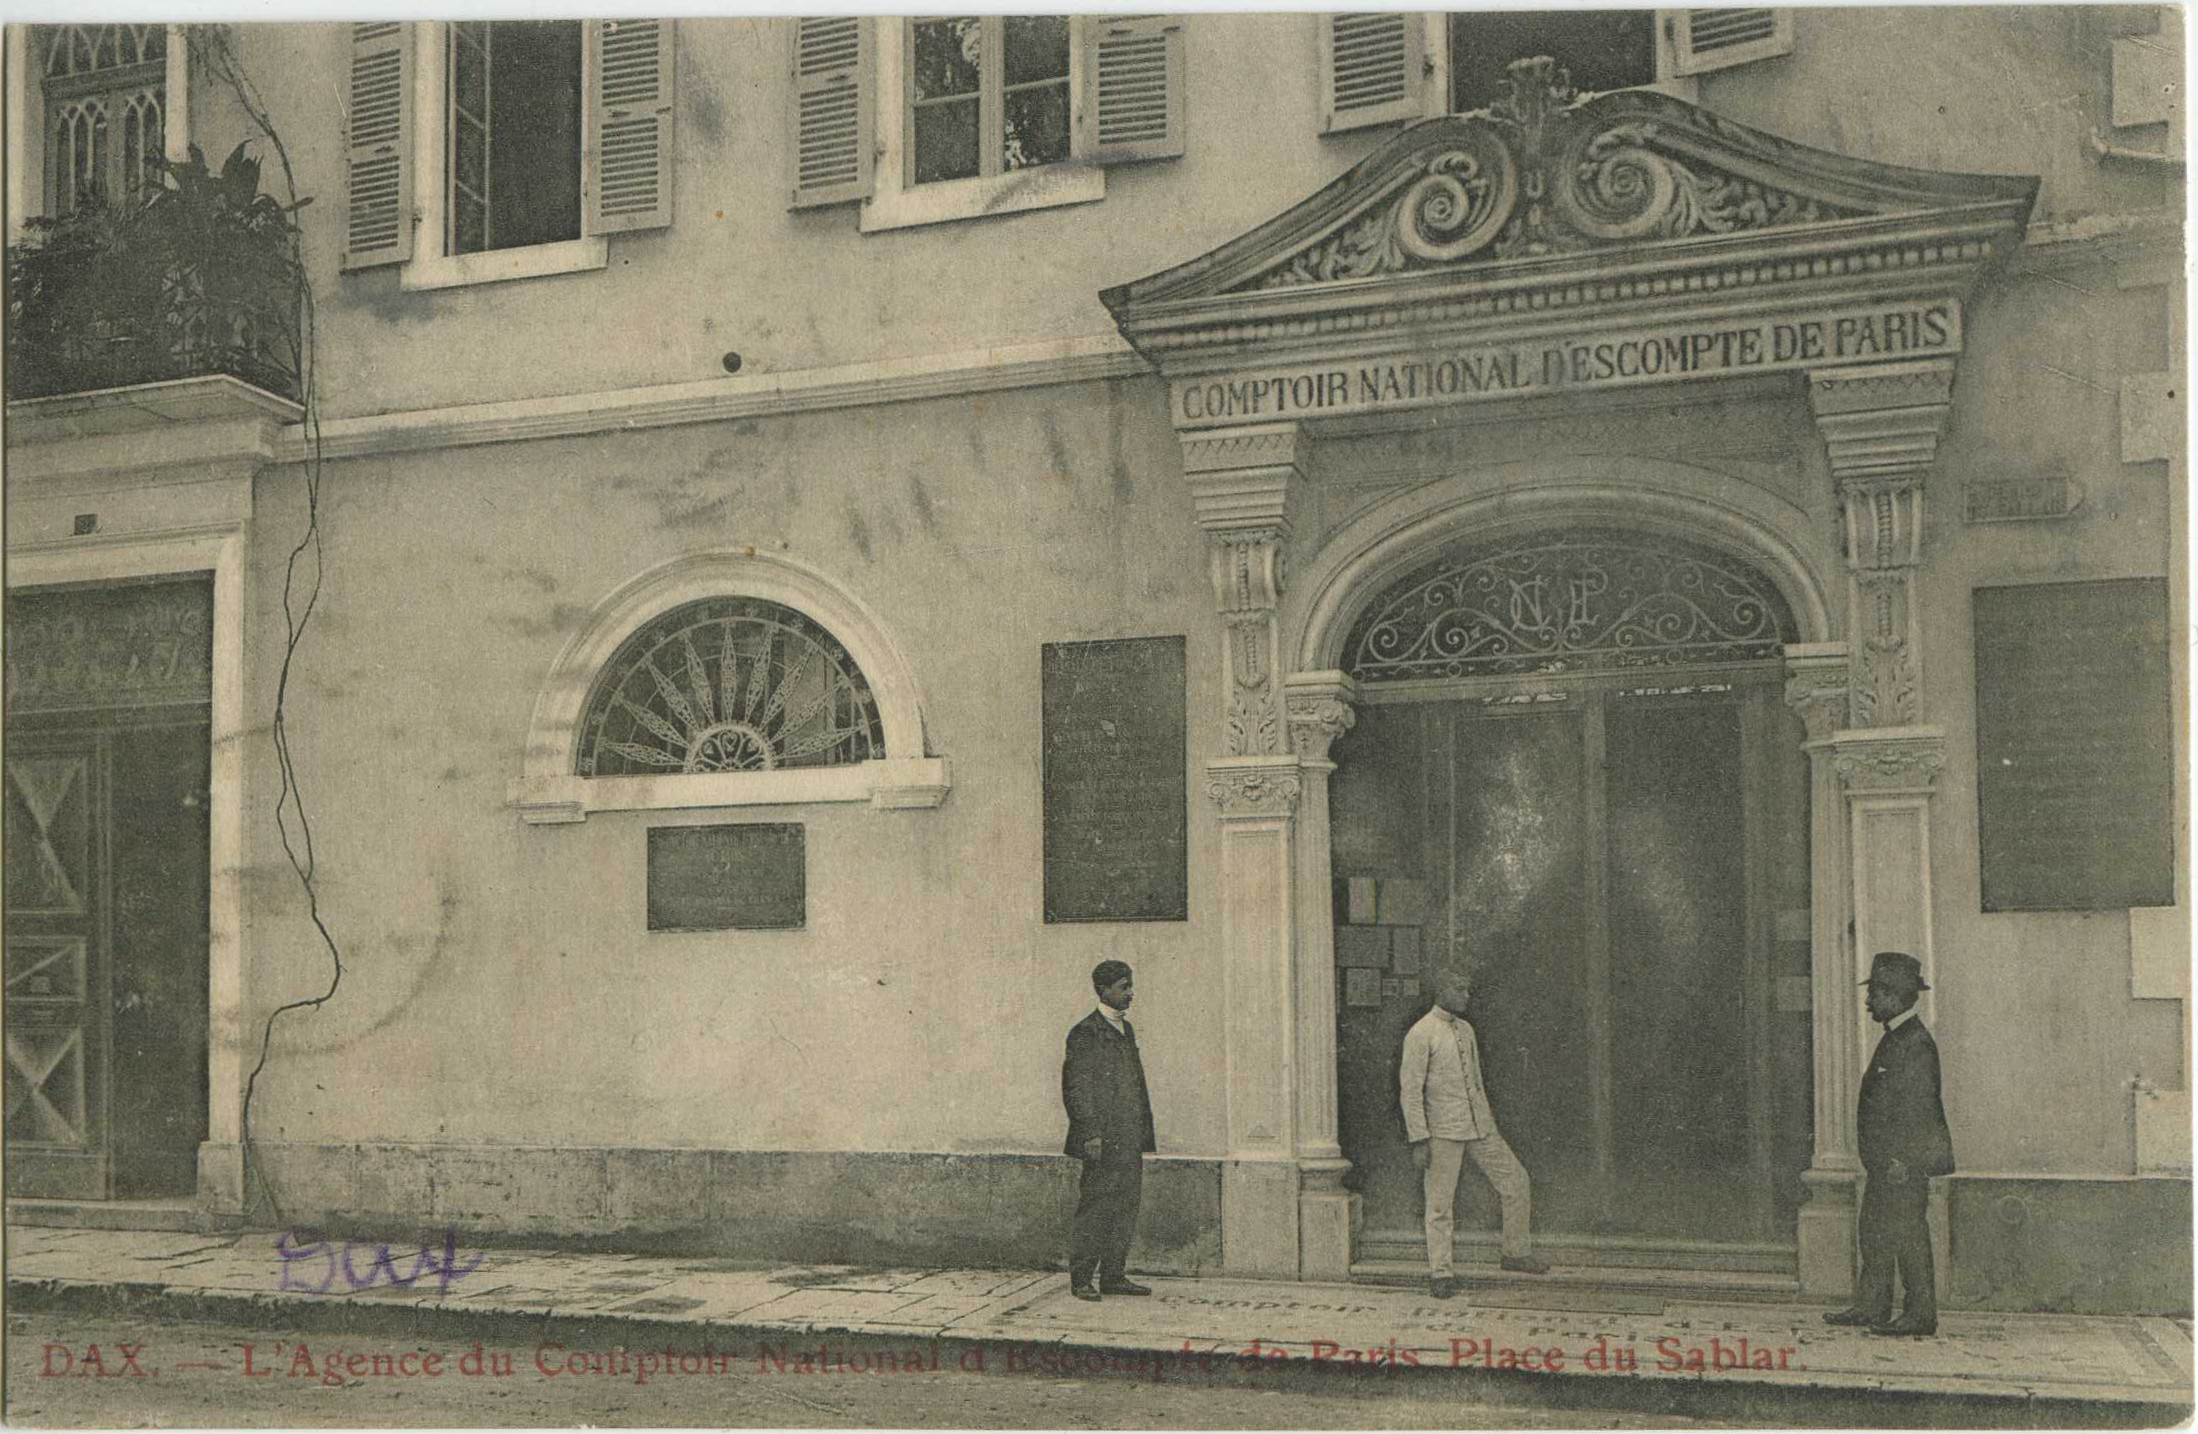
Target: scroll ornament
1545, 170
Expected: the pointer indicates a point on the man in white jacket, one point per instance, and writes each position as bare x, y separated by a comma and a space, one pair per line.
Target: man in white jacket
1446, 1117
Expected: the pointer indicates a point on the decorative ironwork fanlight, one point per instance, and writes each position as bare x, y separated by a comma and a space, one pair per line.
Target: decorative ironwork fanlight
729, 685
1580, 602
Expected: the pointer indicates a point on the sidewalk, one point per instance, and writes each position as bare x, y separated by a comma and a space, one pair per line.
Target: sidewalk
2085, 1369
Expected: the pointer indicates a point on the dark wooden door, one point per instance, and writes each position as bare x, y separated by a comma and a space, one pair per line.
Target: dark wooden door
55, 966
1609, 859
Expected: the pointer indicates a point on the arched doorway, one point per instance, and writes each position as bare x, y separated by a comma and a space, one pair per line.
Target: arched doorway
1573, 771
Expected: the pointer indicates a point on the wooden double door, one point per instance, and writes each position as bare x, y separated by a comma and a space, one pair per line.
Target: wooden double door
106, 870
1622, 864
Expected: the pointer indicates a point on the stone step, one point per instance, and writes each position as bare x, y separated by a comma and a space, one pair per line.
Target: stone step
1715, 1285
1602, 1251
169, 1213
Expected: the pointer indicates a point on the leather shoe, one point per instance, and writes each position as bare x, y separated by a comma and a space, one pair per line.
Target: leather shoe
1526, 1264
1853, 1317
1442, 1287
1123, 1287
1907, 1325
1083, 1292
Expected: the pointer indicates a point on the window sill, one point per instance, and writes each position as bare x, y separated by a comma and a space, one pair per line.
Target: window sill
1046, 187
889, 783
450, 271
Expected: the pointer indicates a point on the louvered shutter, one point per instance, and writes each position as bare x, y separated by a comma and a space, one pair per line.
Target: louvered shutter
378, 147
1704, 40
1373, 70
834, 101
628, 168
1130, 105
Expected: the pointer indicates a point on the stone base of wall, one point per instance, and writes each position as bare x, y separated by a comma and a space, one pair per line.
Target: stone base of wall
829, 1207
2068, 1244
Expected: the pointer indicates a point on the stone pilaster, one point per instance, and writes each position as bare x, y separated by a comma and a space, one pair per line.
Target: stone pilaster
1816, 688
1881, 425
1245, 484
1319, 711
1872, 763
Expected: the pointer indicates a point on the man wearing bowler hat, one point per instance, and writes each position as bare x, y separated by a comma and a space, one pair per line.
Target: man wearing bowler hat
1110, 1131
1900, 1126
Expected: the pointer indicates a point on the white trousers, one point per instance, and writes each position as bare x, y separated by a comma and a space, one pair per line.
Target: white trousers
1445, 1161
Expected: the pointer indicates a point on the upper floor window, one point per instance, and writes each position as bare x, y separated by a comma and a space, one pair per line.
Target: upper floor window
986, 94
514, 134
1382, 68
483, 150
987, 114
106, 98
1601, 49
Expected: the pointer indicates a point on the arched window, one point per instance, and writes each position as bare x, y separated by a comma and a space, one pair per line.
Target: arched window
727, 679
733, 684
1569, 602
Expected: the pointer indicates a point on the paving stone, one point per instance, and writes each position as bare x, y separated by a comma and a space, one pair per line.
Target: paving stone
2099, 1358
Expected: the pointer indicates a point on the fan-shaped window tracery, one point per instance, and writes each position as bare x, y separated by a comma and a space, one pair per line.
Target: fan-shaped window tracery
730, 684
1572, 602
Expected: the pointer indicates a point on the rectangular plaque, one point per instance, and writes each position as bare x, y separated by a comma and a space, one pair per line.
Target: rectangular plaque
1361, 986
2075, 768
2012, 500
746, 877
1404, 947
1114, 786
1402, 902
1362, 946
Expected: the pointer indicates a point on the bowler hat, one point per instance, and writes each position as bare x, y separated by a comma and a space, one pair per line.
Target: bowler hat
1899, 967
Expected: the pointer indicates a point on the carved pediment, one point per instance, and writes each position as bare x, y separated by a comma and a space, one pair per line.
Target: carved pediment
1547, 187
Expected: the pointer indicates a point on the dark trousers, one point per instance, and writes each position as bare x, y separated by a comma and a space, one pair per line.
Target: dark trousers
1895, 1235
1106, 1217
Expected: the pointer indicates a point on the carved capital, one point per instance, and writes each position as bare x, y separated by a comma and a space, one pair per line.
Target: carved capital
1314, 727
1901, 760
1816, 688
1246, 478
1320, 711
1249, 789
1881, 420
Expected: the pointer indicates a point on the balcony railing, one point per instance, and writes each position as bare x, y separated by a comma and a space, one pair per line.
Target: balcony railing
194, 278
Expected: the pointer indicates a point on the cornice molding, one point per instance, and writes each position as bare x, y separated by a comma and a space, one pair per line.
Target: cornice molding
842, 386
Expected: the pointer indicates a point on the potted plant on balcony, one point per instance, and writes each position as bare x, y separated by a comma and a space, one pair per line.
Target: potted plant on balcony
195, 275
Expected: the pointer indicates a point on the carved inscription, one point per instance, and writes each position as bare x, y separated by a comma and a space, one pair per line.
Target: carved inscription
1613, 358
1114, 785
2074, 746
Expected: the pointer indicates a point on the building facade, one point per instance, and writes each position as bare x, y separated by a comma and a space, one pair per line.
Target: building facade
818, 531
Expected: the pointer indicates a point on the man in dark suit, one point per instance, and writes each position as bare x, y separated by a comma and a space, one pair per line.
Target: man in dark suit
1900, 1126
1110, 1131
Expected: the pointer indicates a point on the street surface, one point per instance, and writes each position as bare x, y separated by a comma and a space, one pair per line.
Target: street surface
147, 1374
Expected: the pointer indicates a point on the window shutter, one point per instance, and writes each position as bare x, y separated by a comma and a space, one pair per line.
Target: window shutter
1373, 70
1705, 40
378, 147
1130, 105
628, 170
834, 106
